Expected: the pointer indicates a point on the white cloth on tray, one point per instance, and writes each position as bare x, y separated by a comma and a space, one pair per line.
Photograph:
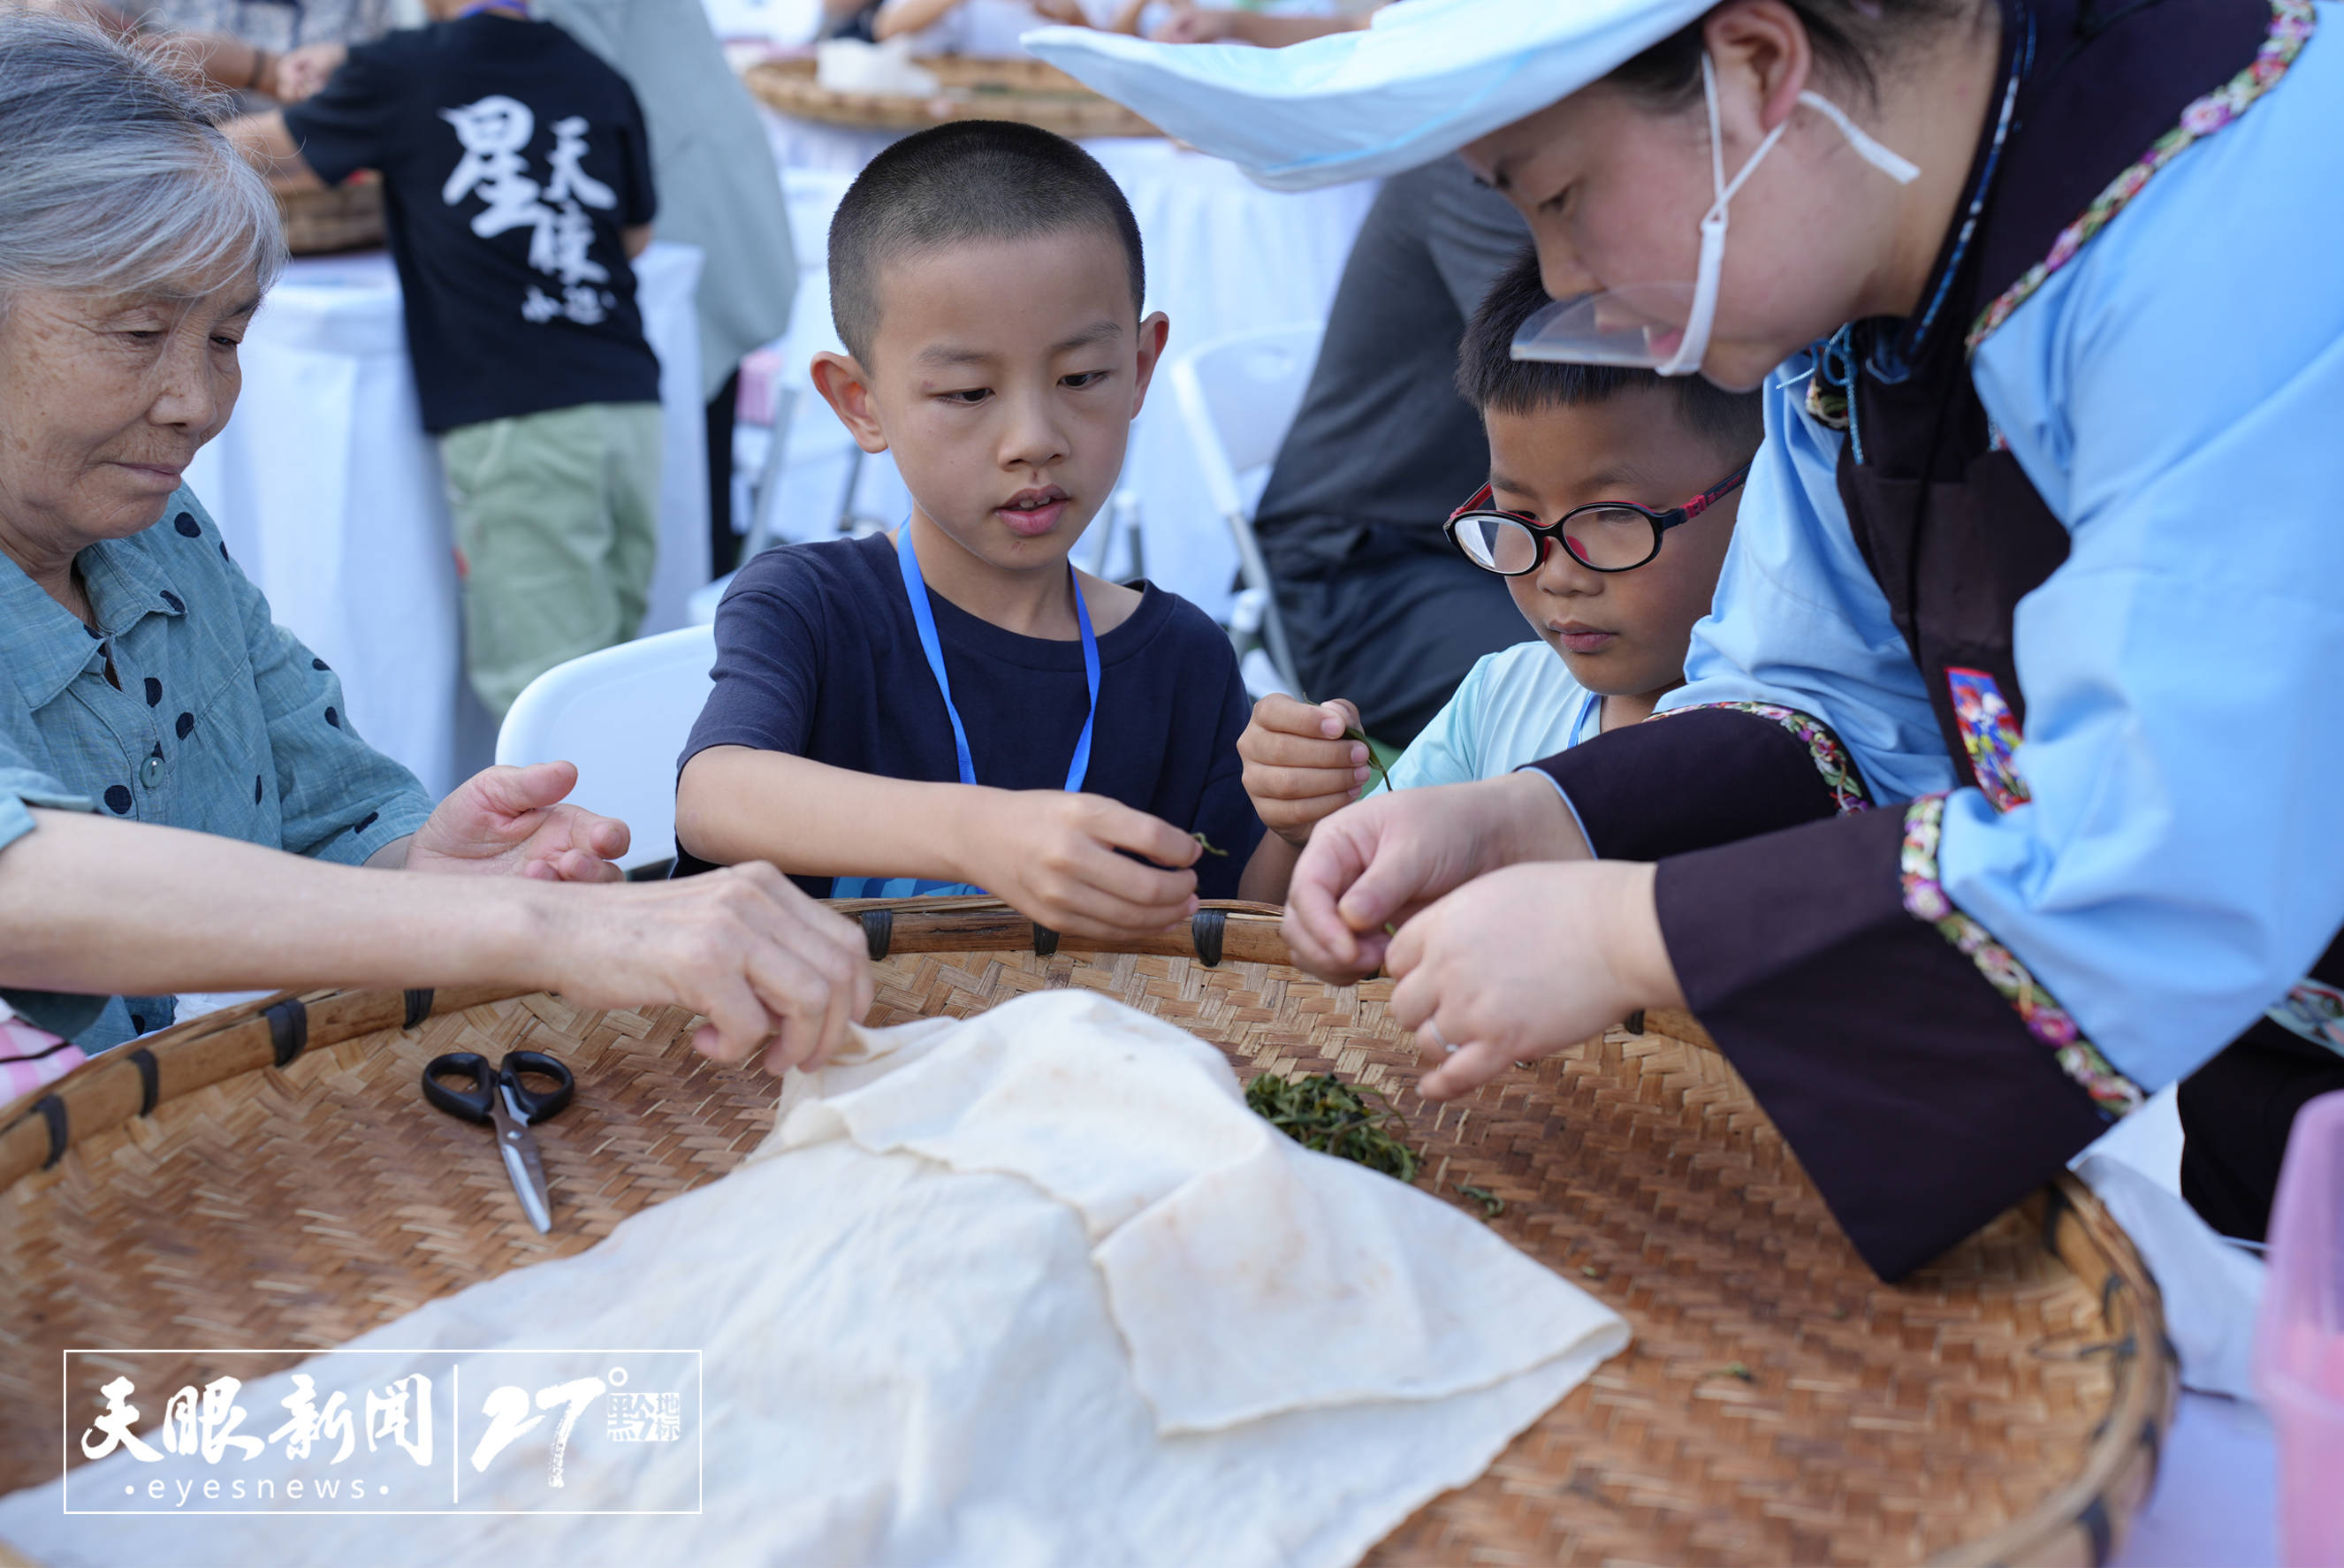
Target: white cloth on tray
1034, 1288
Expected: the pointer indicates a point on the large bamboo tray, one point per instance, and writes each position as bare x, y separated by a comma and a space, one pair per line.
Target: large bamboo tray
970, 88
270, 1176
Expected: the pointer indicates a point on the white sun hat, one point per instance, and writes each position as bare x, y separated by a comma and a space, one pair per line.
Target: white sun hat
1427, 77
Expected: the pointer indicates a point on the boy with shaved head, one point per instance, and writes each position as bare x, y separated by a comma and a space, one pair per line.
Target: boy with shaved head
954, 707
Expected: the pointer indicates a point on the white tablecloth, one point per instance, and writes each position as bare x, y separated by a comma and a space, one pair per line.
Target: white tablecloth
2217, 1500
329, 495
2217, 1495
1223, 256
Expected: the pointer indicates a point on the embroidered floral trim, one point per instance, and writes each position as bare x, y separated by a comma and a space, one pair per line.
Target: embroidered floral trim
1830, 758
2291, 25
1990, 734
2314, 1010
2046, 1019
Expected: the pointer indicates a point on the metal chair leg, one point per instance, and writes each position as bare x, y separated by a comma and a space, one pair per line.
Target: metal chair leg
1253, 571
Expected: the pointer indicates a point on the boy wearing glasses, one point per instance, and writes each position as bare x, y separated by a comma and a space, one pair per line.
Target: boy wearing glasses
1610, 503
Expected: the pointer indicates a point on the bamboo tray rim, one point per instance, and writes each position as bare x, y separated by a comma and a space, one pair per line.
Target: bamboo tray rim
968, 86
128, 1082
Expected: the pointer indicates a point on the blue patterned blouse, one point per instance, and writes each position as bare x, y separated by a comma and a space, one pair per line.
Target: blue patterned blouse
187, 707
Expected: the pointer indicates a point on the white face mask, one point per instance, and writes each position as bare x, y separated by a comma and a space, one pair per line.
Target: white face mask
1617, 326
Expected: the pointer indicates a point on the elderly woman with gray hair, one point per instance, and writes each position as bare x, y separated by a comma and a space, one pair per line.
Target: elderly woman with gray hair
184, 805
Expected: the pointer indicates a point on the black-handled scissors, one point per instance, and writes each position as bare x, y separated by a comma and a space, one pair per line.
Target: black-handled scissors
499, 1097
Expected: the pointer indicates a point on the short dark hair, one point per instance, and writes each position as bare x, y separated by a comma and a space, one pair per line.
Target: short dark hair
1489, 377
965, 180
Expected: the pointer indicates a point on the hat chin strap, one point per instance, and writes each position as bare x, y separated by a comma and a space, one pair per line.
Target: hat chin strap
1694, 346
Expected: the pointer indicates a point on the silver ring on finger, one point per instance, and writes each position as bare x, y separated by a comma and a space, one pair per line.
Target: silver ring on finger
1429, 1029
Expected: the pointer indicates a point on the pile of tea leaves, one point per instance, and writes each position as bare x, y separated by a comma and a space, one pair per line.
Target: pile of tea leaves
1322, 1112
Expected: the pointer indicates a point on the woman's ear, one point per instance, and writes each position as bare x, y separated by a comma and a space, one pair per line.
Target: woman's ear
847, 390
1763, 60
1153, 332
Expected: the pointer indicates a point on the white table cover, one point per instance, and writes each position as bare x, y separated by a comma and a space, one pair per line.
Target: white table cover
329, 495
1224, 256
2217, 1494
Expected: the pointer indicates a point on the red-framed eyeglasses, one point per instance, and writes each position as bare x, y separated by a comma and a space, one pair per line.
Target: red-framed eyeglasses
1603, 536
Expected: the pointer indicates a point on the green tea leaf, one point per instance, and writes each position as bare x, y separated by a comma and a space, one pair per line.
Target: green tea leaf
1323, 1113
1360, 735
1209, 847
1491, 1204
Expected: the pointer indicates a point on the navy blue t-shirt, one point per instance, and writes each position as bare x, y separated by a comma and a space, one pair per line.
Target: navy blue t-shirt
817, 655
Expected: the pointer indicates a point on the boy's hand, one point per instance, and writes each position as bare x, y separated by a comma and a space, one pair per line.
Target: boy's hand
1053, 856
1299, 767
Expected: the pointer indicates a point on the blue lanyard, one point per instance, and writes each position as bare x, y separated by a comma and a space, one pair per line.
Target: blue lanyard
1590, 706
915, 588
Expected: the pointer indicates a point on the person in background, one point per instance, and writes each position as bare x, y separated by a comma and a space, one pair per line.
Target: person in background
1377, 605
1188, 24
283, 51
989, 28
718, 190
1613, 599
517, 186
956, 708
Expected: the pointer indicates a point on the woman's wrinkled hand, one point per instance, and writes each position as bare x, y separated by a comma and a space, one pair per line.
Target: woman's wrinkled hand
780, 978
1525, 961
1371, 866
516, 822
1299, 766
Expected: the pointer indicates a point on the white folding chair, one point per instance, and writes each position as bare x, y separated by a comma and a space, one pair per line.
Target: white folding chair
1237, 396
623, 715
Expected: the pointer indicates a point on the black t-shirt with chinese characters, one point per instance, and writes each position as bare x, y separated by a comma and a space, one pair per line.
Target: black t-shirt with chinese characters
510, 160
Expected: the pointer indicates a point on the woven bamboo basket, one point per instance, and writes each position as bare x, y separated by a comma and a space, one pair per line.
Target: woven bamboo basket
969, 89
271, 1177
346, 216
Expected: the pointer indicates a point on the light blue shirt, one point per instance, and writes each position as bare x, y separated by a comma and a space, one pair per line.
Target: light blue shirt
1513, 707
2176, 393
217, 720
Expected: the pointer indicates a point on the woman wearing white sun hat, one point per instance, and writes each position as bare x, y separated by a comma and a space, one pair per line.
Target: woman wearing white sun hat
2004, 787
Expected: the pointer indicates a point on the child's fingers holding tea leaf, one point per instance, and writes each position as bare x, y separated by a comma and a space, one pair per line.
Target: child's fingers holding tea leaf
1119, 826
1058, 859
1279, 715
1299, 767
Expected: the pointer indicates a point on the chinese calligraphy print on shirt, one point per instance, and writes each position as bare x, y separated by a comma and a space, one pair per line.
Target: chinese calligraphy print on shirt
514, 163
